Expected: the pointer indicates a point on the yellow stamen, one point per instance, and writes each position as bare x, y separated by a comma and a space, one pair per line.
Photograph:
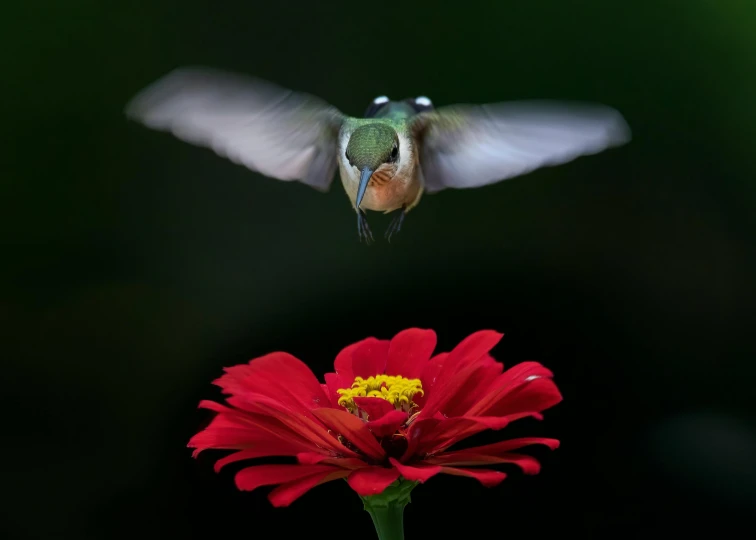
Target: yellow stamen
395, 389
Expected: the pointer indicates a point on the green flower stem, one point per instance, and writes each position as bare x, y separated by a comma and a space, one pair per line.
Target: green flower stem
387, 509
388, 521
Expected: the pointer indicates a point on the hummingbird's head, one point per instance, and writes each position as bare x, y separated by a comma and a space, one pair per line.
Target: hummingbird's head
370, 147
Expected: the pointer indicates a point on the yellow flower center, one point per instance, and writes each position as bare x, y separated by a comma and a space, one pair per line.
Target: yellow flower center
395, 389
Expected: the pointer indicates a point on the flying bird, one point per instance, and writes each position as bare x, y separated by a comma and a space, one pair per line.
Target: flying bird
387, 159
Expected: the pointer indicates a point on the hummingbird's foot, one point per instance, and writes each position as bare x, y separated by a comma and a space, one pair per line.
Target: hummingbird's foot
363, 229
396, 225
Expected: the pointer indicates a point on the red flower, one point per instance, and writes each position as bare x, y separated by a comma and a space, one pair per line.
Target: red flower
390, 410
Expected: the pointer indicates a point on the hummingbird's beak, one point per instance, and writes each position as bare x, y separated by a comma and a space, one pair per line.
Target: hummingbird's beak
364, 179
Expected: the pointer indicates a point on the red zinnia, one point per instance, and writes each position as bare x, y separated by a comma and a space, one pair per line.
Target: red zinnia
390, 411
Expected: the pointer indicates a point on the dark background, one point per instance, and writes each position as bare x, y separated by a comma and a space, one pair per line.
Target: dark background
137, 266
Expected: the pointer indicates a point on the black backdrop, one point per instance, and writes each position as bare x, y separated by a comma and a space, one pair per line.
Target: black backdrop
136, 266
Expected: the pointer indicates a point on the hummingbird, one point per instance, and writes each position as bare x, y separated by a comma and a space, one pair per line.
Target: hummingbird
387, 158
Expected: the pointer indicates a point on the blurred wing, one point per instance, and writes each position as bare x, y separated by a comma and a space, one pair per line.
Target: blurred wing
467, 146
268, 129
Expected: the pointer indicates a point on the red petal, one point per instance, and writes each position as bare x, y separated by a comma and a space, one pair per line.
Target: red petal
420, 434
448, 392
372, 480
528, 464
416, 474
429, 377
226, 432
432, 435
470, 390
327, 392
388, 424
507, 382
343, 362
231, 439
486, 477
375, 407
266, 449
232, 429
369, 359
469, 350
458, 367
353, 429
481, 423
296, 426
313, 458
217, 407
533, 395
278, 375
511, 444
287, 493
431, 370
473, 347
463, 389
409, 352
335, 382
252, 478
